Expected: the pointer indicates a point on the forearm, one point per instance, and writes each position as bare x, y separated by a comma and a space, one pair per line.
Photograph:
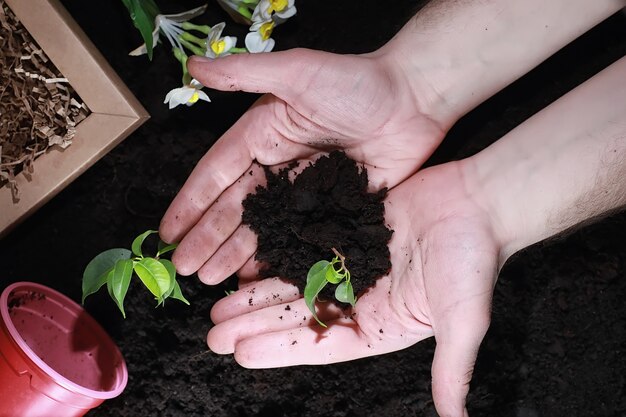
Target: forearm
563, 166
466, 51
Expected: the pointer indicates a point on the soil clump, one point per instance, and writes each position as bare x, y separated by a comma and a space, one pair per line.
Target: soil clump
326, 206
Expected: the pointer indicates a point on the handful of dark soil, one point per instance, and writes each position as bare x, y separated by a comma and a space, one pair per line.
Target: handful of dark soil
327, 206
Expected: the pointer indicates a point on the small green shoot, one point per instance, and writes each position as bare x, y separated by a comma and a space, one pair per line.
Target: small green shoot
324, 272
115, 267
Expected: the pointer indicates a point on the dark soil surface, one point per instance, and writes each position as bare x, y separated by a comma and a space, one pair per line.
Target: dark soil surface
327, 206
556, 346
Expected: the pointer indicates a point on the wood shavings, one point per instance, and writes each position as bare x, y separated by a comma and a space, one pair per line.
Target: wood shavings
38, 107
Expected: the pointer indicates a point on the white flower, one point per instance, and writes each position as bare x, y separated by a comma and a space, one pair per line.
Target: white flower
259, 39
170, 25
187, 94
216, 45
283, 9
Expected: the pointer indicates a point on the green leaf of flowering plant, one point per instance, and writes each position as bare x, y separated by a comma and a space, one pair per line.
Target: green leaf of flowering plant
315, 282
97, 270
171, 270
165, 248
115, 267
345, 293
143, 13
177, 294
118, 281
154, 276
138, 242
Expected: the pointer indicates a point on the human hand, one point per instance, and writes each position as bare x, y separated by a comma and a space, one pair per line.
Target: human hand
388, 109
445, 259
316, 101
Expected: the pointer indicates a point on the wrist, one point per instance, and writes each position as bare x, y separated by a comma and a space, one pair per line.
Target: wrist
424, 81
563, 166
455, 55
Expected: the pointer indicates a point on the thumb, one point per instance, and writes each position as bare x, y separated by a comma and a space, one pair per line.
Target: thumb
275, 72
458, 339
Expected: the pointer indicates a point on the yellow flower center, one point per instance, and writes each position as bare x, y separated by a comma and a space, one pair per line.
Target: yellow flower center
195, 97
218, 46
266, 30
278, 5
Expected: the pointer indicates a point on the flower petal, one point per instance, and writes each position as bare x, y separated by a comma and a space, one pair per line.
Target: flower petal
261, 14
230, 41
195, 84
286, 13
188, 15
186, 94
257, 24
170, 94
175, 98
269, 45
142, 49
216, 32
254, 42
262, 11
203, 96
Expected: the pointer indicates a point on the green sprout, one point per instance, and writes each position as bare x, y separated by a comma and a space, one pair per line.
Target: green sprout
114, 267
324, 272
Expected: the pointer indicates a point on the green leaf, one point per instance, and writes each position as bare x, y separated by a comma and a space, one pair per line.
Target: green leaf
315, 282
95, 275
150, 7
165, 248
333, 276
118, 281
136, 246
345, 293
317, 268
154, 276
143, 13
171, 270
178, 295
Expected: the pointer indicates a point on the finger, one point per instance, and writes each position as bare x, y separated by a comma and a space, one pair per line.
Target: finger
241, 245
250, 270
256, 73
341, 341
223, 337
265, 293
217, 224
219, 168
230, 257
458, 340
255, 136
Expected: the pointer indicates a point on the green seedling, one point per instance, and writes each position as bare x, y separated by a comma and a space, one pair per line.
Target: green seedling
115, 267
324, 272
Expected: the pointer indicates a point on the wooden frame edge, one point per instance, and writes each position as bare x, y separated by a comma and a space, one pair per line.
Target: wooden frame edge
115, 111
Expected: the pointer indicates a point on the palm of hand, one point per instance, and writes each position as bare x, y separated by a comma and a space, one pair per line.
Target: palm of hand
444, 268
351, 102
318, 101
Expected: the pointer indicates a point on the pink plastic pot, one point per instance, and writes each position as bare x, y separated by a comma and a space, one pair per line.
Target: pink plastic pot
55, 359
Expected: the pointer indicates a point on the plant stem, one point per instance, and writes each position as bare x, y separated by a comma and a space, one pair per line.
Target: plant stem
181, 56
199, 28
194, 39
245, 12
193, 48
234, 50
